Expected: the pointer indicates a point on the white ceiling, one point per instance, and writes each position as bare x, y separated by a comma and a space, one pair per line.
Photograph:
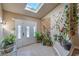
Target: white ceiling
19, 8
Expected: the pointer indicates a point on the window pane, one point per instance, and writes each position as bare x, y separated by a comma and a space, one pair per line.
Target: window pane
34, 29
28, 31
33, 6
19, 31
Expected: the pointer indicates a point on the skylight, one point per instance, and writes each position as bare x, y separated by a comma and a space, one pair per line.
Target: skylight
34, 7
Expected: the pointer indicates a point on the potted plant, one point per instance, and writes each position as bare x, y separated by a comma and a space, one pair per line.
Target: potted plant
44, 40
67, 43
38, 37
8, 43
47, 41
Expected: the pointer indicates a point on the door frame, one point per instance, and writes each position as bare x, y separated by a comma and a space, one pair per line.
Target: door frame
18, 21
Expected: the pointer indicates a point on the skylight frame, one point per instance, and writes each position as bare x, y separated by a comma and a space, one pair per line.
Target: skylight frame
35, 11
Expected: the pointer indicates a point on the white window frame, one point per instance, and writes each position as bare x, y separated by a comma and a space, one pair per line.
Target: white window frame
28, 31
19, 31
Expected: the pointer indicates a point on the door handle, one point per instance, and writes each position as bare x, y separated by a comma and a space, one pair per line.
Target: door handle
23, 34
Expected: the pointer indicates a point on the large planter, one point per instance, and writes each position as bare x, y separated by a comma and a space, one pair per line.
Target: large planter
48, 44
8, 49
44, 43
38, 41
67, 45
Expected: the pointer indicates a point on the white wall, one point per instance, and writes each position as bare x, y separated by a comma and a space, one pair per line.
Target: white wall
1, 29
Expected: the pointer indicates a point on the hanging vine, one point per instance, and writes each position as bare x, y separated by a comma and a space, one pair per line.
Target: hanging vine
71, 22
66, 25
73, 19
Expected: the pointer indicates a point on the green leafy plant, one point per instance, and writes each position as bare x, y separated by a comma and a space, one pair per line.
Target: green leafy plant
38, 37
55, 37
71, 20
8, 40
47, 40
64, 31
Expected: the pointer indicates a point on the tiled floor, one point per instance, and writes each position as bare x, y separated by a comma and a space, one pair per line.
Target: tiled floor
36, 50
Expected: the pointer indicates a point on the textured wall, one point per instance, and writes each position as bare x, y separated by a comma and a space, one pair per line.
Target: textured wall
10, 23
55, 16
45, 25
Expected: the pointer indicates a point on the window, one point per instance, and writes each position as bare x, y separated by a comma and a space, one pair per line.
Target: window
34, 29
28, 31
34, 7
19, 31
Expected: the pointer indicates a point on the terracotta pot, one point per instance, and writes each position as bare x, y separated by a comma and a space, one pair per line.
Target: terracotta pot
72, 33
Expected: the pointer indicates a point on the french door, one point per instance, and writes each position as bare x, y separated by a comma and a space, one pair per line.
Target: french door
25, 32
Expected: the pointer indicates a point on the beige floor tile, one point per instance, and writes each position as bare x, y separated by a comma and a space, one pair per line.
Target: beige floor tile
36, 50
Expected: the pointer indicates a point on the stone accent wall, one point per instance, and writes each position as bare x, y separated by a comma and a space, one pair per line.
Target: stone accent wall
45, 25
56, 16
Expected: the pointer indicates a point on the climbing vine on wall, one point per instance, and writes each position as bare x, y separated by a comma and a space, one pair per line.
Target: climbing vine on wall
66, 21
71, 22
73, 18
66, 25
